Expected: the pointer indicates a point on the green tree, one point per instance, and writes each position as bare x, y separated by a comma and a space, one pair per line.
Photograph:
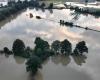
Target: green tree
18, 47
42, 5
66, 47
33, 64
50, 6
80, 48
55, 46
42, 48
40, 43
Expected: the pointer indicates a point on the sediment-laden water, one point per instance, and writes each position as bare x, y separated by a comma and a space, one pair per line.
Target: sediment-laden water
57, 67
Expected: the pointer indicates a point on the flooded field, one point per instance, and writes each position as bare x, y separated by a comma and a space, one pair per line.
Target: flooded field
21, 26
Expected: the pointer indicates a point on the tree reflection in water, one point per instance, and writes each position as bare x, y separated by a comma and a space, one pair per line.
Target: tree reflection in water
61, 59
79, 59
37, 76
65, 60
46, 61
19, 60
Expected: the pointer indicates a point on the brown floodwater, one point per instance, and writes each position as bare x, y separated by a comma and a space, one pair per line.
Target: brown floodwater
57, 67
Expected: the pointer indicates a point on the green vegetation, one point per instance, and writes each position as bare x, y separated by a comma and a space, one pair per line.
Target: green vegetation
55, 46
19, 48
82, 10
66, 47
63, 47
33, 63
80, 48
14, 7
42, 50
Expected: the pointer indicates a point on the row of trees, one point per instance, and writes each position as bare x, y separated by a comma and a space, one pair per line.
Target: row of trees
63, 47
87, 11
11, 9
43, 50
84, 11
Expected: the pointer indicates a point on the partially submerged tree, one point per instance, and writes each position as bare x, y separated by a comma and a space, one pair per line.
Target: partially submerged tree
18, 47
28, 51
66, 47
55, 46
42, 5
50, 6
80, 48
40, 43
7, 51
33, 64
42, 48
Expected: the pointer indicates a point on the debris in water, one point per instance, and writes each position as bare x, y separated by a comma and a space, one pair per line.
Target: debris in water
31, 15
38, 17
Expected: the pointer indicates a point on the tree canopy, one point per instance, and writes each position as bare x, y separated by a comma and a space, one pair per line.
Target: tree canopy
18, 47
80, 48
43, 50
33, 64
